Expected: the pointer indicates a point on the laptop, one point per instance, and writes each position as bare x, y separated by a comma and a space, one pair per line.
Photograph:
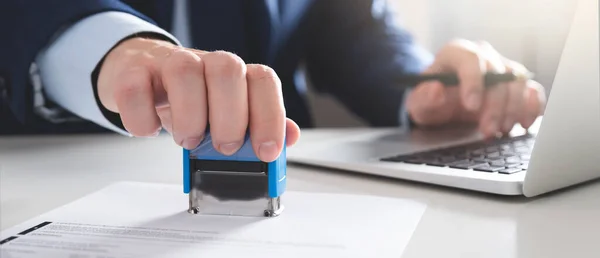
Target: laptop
562, 149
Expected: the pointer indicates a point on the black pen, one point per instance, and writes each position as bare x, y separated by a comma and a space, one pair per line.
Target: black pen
490, 79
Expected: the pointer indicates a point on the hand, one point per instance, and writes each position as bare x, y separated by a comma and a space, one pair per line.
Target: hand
495, 111
153, 84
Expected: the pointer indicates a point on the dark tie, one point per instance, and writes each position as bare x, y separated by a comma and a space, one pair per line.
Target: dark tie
244, 27
218, 25
259, 30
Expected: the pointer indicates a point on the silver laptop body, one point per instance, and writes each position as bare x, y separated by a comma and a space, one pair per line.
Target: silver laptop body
561, 150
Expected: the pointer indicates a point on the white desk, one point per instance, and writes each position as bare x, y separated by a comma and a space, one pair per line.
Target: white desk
41, 173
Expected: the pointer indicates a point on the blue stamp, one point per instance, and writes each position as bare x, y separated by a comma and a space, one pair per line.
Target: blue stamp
236, 185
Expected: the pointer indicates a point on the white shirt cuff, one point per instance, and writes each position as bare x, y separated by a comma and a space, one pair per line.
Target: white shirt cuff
67, 64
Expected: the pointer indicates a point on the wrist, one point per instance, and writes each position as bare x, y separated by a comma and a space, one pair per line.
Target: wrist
135, 44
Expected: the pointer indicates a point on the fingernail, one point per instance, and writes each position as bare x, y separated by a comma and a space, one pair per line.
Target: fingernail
157, 132
473, 101
267, 151
229, 148
153, 135
191, 143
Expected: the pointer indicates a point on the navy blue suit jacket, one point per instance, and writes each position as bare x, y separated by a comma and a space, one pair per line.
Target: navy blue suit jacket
351, 50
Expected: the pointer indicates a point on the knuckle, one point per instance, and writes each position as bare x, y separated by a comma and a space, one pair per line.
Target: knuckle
263, 73
135, 58
473, 57
225, 64
182, 62
461, 44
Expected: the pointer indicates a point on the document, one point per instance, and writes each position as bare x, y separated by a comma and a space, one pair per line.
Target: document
132, 219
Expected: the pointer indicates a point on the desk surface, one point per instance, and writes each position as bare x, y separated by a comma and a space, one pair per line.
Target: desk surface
40, 173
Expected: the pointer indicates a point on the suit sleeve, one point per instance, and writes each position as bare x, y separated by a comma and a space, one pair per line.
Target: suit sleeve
357, 53
67, 39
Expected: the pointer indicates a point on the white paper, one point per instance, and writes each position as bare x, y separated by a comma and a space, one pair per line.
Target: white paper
150, 220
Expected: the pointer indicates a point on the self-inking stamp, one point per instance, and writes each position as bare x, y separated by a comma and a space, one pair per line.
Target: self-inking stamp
236, 185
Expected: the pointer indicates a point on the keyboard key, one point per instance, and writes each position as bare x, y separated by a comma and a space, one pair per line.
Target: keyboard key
513, 160
503, 154
499, 163
508, 153
447, 159
512, 165
523, 150
481, 160
474, 157
493, 154
519, 143
407, 159
414, 161
495, 158
436, 163
488, 168
468, 165
510, 171
492, 149
479, 152
462, 156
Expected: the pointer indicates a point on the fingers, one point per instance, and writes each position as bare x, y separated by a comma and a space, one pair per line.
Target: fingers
497, 98
267, 112
535, 103
228, 100
292, 132
493, 114
517, 109
516, 96
134, 101
164, 113
497, 108
515, 105
465, 57
183, 80
494, 110
429, 105
154, 85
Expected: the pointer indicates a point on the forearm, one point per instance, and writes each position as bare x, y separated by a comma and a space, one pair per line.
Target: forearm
358, 55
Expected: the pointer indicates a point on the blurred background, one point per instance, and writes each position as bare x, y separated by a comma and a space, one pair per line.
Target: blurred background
528, 31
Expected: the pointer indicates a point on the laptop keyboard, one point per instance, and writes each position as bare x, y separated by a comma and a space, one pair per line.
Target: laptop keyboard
503, 156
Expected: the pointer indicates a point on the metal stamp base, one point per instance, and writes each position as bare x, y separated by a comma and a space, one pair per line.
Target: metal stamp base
202, 203
231, 188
